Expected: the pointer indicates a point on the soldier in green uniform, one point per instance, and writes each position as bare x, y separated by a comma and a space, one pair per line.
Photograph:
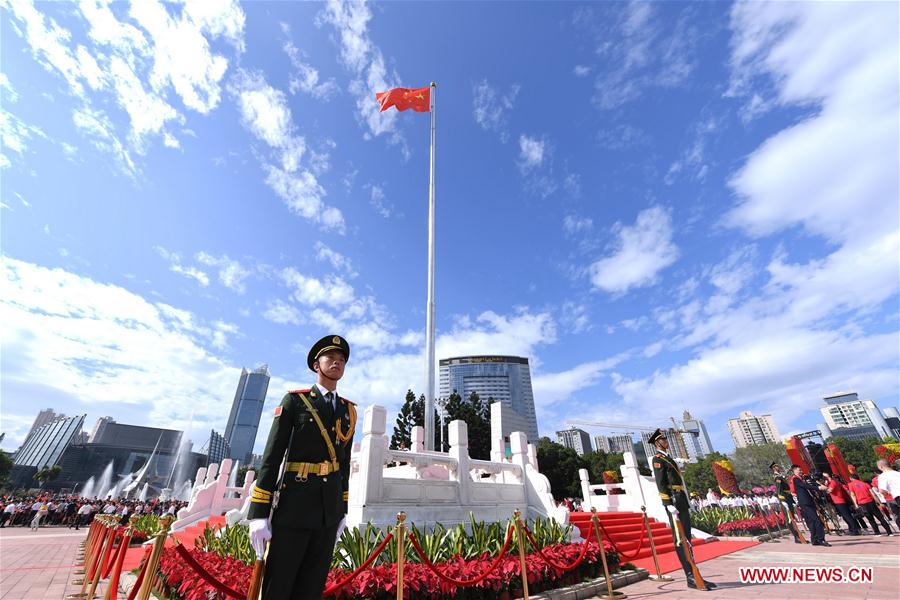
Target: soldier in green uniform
674, 498
786, 502
311, 435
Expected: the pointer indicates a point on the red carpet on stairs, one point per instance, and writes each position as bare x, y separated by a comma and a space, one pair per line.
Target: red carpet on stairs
624, 530
186, 536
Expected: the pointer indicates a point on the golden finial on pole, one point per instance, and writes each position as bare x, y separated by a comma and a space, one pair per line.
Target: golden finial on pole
165, 522
610, 593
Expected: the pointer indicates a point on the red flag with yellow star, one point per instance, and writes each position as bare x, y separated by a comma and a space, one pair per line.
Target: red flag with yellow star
418, 99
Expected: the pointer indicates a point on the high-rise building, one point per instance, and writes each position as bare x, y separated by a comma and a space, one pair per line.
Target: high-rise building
675, 450
695, 437
577, 439
218, 448
99, 427
506, 379
246, 410
750, 430
45, 446
47, 415
618, 444
849, 416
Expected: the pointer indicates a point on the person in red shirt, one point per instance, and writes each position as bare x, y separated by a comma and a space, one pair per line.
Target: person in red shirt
861, 493
841, 502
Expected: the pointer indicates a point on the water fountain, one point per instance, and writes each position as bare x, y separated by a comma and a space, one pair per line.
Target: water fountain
87, 490
105, 482
184, 492
139, 476
143, 495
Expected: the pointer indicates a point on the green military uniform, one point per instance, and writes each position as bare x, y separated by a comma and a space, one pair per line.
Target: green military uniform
313, 491
671, 492
786, 502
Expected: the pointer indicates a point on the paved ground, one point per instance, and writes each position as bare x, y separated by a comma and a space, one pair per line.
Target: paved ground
882, 554
38, 565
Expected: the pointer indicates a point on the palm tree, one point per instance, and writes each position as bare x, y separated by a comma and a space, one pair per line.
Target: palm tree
47, 474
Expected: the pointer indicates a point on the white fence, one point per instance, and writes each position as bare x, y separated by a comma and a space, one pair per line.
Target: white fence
212, 496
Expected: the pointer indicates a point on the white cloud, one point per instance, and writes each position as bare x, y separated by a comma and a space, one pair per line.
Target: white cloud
581, 70
378, 200
491, 108
231, 273
337, 260
147, 111
331, 291
307, 78
364, 60
282, 313
843, 191
15, 135
303, 195
99, 129
531, 152
641, 251
573, 224
102, 346
176, 267
551, 388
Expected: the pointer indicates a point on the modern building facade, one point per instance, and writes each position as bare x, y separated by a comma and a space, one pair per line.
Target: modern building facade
47, 415
846, 415
577, 439
695, 437
218, 448
246, 410
616, 444
751, 430
676, 445
45, 445
505, 379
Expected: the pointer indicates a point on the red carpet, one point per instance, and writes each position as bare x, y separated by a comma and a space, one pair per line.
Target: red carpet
624, 529
186, 536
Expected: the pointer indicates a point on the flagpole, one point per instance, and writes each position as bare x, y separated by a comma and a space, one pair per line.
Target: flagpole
429, 310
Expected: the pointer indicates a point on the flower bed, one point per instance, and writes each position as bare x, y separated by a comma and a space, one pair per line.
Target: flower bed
379, 582
751, 526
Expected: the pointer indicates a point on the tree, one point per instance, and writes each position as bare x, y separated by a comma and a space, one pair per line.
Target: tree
6, 464
560, 465
751, 464
859, 453
412, 414
699, 476
47, 474
476, 415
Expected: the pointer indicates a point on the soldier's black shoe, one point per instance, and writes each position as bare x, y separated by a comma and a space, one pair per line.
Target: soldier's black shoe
692, 583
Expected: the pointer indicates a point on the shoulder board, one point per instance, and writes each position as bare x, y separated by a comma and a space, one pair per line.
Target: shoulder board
345, 401
299, 391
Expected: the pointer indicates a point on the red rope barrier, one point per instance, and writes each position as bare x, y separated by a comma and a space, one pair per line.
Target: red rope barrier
114, 582
204, 574
103, 552
462, 582
622, 555
112, 559
140, 578
336, 586
559, 566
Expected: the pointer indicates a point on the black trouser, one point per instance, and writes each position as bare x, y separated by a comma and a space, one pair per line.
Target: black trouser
871, 512
787, 509
4, 517
813, 523
684, 516
298, 563
845, 513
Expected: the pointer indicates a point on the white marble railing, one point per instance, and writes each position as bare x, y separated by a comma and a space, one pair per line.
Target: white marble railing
212, 496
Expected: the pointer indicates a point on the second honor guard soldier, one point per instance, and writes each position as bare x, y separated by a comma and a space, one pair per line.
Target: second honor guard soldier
674, 498
312, 434
786, 502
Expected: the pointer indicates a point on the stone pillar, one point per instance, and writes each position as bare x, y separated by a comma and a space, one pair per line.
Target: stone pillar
585, 489
371, 457
459, 449
211, 473
418, 439
218, 498
532, 456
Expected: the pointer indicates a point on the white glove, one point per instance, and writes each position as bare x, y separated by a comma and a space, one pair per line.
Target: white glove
341, 527
259, 535
672, 509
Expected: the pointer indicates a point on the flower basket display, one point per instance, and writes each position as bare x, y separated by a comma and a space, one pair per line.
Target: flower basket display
724, 472
889, 452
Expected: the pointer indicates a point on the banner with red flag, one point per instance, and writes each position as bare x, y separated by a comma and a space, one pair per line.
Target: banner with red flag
418, 99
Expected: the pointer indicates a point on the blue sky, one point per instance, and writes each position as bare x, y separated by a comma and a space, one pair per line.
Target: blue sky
665, 206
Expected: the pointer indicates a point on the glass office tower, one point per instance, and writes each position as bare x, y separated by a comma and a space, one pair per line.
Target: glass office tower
246, 410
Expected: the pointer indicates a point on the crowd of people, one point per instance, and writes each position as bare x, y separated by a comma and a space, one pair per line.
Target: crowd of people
73, 511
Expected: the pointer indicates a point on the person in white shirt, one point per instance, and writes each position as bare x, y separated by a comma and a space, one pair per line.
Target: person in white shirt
889, 481
712, 498
84, 515
109, 509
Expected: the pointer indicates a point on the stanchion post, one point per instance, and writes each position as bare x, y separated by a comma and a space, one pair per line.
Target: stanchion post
401, 552
610, 592
111, 592
659, 576
93, 557
103, 555
520, 536
165, 522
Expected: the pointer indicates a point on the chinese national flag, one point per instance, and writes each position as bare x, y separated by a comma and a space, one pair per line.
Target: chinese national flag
418, 99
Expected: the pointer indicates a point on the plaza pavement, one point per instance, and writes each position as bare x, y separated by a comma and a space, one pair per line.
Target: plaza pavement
881, 553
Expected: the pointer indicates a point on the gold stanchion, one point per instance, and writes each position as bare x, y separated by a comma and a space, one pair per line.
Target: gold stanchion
102, 556
659, 576
165, 522
95, 556
520, 536
401, 552
610, 592
112, 594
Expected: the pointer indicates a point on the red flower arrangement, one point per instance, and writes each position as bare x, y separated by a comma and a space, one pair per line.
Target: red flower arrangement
753, 525
380, 581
